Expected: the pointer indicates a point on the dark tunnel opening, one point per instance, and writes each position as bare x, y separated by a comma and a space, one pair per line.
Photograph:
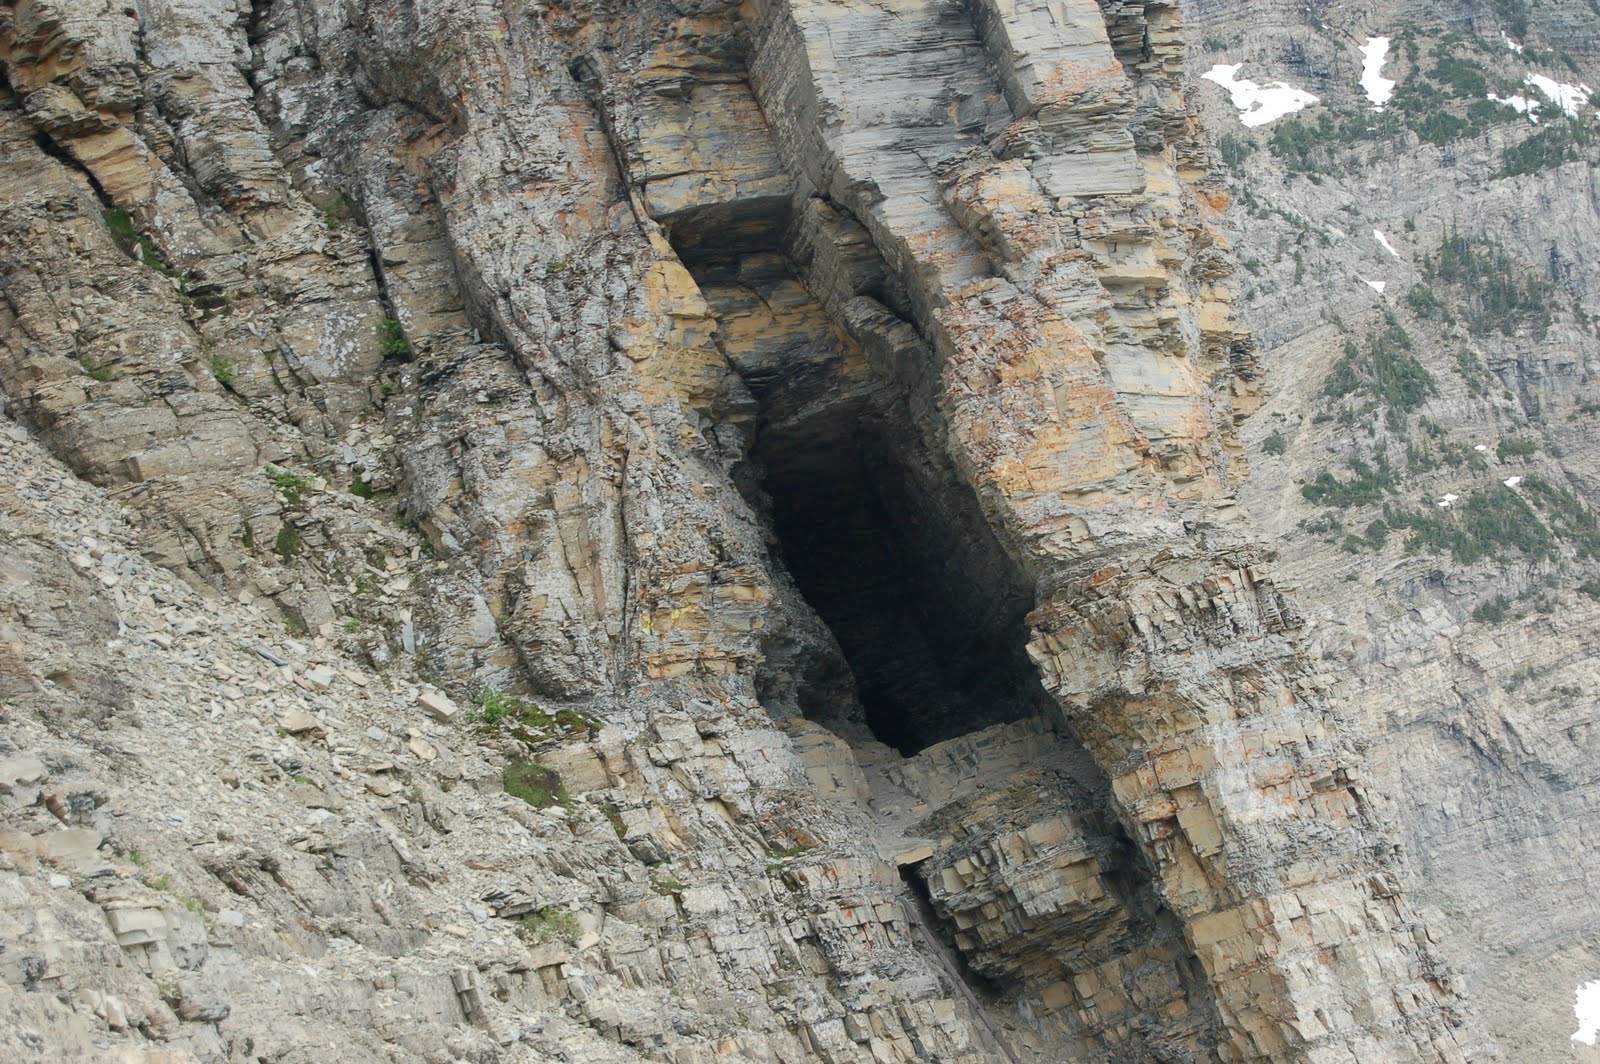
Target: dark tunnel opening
881, 537
931, 630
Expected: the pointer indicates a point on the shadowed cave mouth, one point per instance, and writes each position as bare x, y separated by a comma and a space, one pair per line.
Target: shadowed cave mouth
902, 589
885, 543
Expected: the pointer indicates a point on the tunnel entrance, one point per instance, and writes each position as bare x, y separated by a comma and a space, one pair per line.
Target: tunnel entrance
880, 536
931, 632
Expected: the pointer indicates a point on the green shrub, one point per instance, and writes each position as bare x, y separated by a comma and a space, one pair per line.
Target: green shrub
288, 542
530, 781
222, 370
526, 722
1569, 519
1509, 447
1234, 150
1386, 370
293, 485
392, 339
1377, 535
96, 369
1487, 524
1368, 486
1275, 444
551, 923
335, 212
1422, 456
1299, 143
1560, 140
131, 241
1514, 13
1474, 373
1492, 611
1499, 294
1424, 303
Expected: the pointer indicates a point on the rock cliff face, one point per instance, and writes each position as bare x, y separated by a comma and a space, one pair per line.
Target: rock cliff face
682, 530
1468, 652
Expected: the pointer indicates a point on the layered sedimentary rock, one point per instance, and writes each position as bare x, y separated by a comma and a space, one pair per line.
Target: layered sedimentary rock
832, 406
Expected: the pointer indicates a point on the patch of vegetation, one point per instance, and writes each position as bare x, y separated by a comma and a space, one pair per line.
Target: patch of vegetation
530, 781
1492, 611
1514, 13
526, 722
1369, 485
336, 212
614, 815
550, 923
1425, 454
293, 485
1569, 519
1377, 535
1474, 372
1425, 303
1498, 293
392, 339
97, 369
1487, 524
288, 543
1438, 104
1299, 143
360, 488
1275, 444
1322, 525
1235, 149
1386, 370
668, 886
133, 242
222, 370
1510, 447
1562, 139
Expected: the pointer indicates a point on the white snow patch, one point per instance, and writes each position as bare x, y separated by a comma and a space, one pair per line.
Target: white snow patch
1376, 286
1448, 500
1587, 1009
1512, 482
1258, 104
1511, 45
1373, 55
1568, 97
1520, 104
1384, 242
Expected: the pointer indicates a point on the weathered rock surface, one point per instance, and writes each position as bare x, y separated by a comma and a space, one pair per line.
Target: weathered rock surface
1480, 728
674, 531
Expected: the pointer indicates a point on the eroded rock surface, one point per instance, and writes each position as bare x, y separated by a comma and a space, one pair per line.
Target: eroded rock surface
672, 531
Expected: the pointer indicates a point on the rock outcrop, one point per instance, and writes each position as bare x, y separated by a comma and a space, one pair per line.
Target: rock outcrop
683, 530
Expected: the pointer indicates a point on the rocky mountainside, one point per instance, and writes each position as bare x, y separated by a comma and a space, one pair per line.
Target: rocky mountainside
1450, 569
844, 530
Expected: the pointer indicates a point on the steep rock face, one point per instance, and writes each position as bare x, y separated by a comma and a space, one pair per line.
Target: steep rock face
1468, 657
830, 408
